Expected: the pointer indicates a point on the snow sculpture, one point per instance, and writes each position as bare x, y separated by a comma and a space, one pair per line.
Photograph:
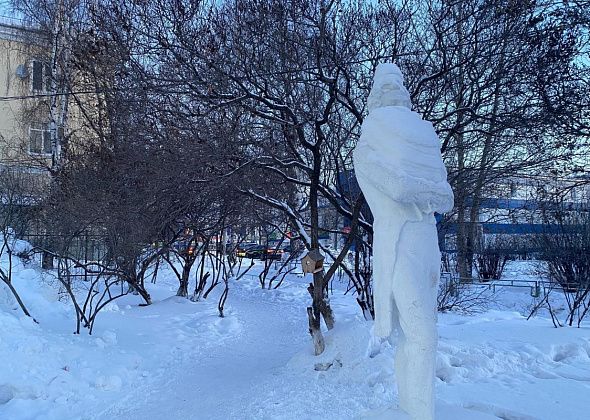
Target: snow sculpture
401, 173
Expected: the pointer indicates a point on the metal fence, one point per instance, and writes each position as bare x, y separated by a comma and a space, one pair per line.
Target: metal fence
537, 288
83, 248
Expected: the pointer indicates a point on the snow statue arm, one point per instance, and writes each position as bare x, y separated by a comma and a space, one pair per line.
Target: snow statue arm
428, 195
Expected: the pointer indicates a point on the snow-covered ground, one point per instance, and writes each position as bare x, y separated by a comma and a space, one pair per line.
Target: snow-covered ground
177, 359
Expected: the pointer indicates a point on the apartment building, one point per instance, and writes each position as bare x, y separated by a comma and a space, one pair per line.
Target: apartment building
29, 134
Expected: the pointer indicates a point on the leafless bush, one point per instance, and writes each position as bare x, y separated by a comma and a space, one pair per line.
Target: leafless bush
457, 296
491, 258
16, 192
565, 248
91, 287
90, 282
448, 263
287, 266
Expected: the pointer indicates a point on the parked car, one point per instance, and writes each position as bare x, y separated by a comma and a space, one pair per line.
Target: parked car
273, 253
185, 247
256, 251
242, 249
260, 252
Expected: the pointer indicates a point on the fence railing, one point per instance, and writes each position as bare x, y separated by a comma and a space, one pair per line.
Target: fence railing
537, 288
83, 248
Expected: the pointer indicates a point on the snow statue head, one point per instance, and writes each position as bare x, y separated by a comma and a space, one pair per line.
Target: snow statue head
388, 88
400, 170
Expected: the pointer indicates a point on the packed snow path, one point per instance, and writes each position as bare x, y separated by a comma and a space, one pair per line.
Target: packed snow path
215, 376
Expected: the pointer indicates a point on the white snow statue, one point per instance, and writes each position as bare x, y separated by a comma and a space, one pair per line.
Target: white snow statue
401, 173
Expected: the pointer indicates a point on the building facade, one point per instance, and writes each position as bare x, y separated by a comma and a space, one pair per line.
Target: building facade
25, 83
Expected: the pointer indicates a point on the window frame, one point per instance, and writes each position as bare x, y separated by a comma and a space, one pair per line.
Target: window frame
45, 82
45, 132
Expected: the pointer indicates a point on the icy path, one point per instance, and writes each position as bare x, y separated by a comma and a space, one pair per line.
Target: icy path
216, 372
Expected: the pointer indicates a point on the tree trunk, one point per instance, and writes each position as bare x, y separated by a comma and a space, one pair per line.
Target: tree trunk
321, 300
464, 260
139, 289
47, 261
316, 333
320, 306
18, 299
482, 173
184, 279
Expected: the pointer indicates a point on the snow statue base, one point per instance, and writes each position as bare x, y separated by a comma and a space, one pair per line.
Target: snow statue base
400, 170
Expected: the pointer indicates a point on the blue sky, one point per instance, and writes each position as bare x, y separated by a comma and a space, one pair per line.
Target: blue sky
5, 8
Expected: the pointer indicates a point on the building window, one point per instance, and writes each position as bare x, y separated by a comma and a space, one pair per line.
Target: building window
40, 140
41, 76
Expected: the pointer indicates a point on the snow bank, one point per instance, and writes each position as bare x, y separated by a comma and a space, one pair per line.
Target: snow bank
51, 374
57, 375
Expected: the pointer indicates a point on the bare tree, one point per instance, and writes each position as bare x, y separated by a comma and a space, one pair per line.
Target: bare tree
18, 197
564, 247
267, 99
486, 63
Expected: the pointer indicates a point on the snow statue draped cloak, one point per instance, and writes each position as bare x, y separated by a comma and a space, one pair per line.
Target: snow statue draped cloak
397, 156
